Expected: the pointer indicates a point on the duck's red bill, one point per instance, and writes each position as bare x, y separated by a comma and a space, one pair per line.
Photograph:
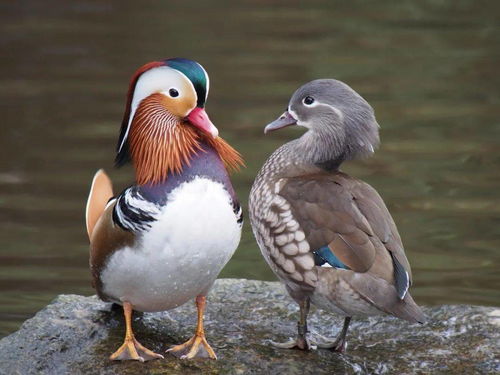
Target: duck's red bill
199, 118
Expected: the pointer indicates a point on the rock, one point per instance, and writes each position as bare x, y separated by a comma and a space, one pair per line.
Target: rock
75, 335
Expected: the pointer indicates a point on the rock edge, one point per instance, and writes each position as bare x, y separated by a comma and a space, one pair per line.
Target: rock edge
76, 334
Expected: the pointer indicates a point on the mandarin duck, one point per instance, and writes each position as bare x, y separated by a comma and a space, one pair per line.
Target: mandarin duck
164, 240
326, 235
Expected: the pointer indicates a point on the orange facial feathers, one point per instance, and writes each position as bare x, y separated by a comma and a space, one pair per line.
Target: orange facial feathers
161, 144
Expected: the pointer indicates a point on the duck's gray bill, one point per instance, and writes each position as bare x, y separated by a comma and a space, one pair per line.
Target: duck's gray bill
285, 119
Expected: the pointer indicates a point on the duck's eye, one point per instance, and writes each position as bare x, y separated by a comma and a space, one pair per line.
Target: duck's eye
173, 93
308, 100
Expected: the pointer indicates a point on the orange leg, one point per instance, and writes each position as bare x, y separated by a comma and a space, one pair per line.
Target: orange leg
131, 348
196, 346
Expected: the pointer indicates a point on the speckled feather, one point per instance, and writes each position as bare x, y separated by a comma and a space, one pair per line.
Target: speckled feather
300, 202
296, 210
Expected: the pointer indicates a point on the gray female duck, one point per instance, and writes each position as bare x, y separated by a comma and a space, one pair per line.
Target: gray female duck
329, 236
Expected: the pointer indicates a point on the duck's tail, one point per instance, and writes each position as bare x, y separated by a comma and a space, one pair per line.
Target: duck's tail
408, 310
385, 296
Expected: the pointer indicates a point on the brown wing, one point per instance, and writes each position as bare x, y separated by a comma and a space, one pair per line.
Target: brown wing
350, 217
375, 211
100, 193
107, 237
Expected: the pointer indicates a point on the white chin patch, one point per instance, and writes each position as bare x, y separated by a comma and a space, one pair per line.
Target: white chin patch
296, 118
293, 114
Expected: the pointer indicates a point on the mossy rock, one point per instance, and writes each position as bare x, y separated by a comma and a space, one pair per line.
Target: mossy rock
76, 335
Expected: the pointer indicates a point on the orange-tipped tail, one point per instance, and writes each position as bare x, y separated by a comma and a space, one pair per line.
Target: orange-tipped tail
100, 193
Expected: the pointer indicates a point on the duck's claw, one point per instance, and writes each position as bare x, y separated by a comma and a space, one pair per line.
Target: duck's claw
134, 350
300, 343
131, 348
195, 347
339, 345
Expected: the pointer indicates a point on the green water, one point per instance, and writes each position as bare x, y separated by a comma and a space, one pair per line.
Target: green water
429, 68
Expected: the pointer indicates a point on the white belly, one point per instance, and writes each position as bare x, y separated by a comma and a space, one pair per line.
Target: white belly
181, 255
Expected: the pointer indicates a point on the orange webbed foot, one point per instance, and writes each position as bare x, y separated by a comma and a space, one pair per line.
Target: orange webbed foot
131, 348
195, 347
134, 350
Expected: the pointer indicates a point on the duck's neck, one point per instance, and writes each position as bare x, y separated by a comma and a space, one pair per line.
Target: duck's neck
311, 153
204, 164
323, 148
162, 145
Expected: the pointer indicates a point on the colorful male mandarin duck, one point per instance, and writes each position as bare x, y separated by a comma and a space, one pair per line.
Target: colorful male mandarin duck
329, 236
165, 239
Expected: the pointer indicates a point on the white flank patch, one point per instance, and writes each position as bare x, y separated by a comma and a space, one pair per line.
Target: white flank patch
181, 255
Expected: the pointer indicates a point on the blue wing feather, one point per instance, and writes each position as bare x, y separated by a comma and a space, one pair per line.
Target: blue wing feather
325, 255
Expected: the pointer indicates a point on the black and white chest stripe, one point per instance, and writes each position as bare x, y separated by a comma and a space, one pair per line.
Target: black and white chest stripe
133, 212
238, 211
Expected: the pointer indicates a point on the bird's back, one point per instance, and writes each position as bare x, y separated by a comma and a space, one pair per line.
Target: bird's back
297, 216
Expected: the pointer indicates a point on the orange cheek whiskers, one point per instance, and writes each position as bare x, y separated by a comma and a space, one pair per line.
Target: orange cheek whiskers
161, 144
232, 159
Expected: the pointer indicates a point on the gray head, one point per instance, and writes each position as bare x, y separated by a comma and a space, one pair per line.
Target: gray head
341, 124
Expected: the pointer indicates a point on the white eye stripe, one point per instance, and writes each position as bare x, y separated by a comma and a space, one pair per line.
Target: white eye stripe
334, 109
152, 81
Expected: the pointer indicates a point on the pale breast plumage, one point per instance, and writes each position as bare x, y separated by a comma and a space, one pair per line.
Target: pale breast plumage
180, 253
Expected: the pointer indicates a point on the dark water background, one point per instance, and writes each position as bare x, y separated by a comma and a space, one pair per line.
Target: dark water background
429, 68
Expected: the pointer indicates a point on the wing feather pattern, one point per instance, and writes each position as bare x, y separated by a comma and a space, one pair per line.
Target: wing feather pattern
349, 217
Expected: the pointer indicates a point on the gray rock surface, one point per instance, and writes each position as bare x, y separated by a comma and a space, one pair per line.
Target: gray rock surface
75, 335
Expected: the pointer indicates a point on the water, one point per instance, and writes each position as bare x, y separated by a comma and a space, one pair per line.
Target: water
429, 69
